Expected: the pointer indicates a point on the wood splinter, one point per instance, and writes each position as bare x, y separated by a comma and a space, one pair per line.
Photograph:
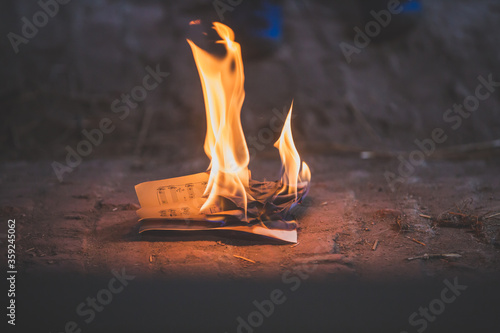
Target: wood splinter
415, 240
243, 258
489, 217
436, 256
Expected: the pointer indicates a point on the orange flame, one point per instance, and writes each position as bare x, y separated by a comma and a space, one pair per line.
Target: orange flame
290, 159
222, 81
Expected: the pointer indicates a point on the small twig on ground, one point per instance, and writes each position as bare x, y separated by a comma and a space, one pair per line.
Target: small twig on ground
415, 240
436, 256
243, 258
375, 245
425, 216
459, 214
489, 217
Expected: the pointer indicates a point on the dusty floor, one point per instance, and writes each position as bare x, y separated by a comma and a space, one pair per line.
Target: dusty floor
88, 223
72, 235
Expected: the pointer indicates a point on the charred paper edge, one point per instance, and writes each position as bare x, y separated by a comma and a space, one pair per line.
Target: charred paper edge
289, 236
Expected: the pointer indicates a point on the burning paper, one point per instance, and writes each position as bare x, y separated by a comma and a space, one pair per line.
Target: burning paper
225, 197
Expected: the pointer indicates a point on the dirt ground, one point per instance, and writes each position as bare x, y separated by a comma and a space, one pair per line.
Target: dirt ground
88, 223
72, 235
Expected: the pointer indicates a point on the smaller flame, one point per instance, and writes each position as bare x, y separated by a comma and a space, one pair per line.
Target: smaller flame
305, 174
290, 159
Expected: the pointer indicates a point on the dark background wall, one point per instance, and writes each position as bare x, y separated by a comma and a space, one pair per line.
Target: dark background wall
395, 90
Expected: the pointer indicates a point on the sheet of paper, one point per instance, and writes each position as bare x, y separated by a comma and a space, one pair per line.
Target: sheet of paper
174, 198
170, 204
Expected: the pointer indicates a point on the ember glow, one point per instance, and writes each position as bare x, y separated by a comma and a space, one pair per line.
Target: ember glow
222, 80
